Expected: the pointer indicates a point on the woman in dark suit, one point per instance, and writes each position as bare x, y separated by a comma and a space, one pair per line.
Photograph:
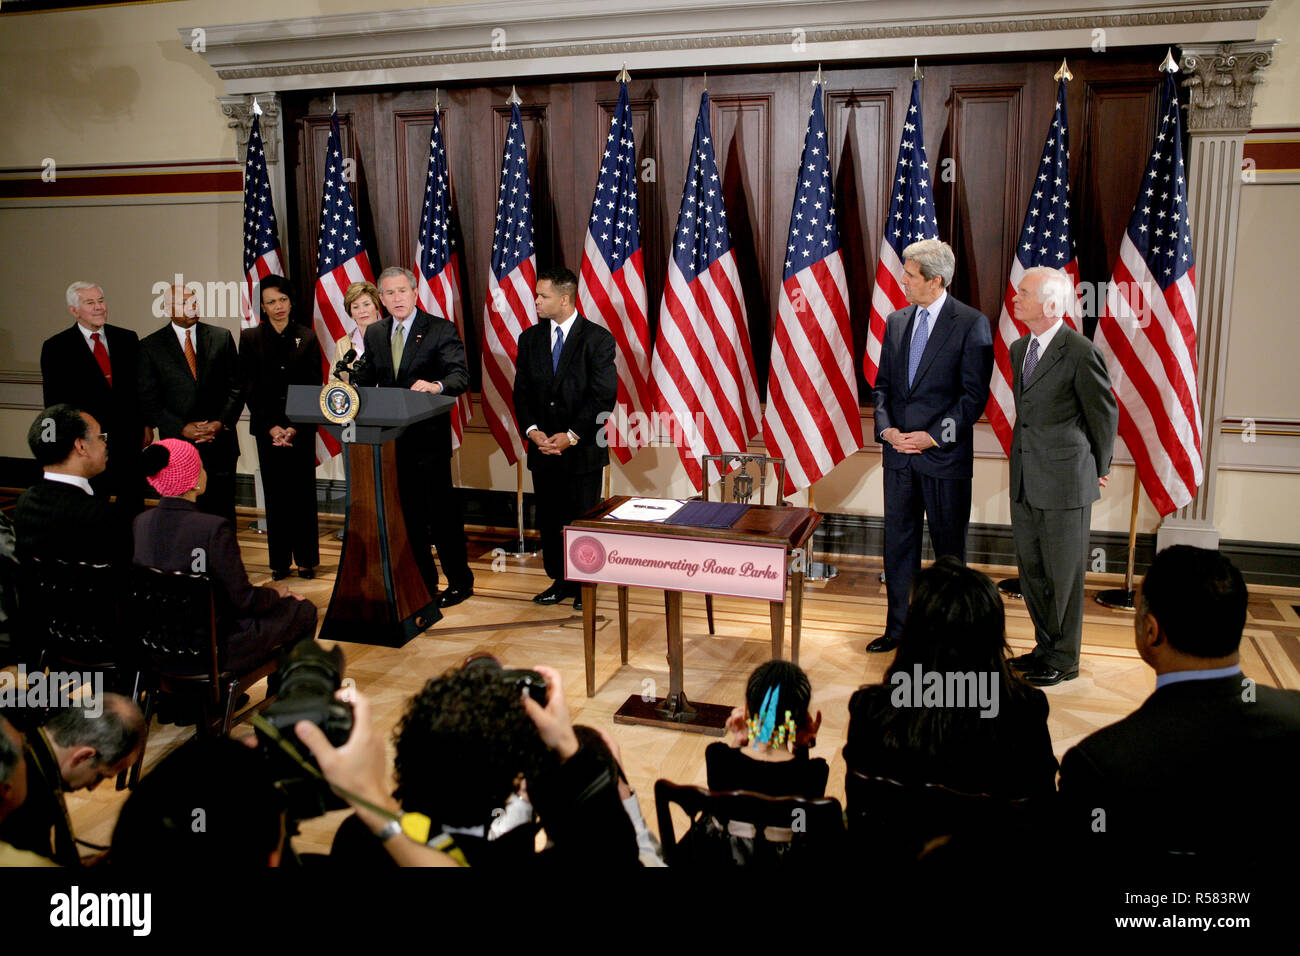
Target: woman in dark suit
252, 622
911, 729
272, 356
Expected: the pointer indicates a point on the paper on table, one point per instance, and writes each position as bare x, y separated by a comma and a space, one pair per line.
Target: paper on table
646, 509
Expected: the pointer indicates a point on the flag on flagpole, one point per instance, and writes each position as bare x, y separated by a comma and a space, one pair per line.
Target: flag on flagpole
611, 285
340, 261
437, 262
812, 416
1045, 240
511, 303
911, 218
1147, 331
703, 366
261, 233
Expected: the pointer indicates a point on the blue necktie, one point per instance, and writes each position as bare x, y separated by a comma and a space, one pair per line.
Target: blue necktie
559, 347
919, 337
1031, 361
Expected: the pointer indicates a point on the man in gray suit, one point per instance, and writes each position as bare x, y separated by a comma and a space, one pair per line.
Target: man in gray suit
1066, 416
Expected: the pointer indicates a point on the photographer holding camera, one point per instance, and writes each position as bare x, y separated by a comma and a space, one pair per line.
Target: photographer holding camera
469, 741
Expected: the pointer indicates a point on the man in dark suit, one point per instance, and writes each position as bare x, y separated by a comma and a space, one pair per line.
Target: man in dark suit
60, 516
931, 388
92, 366
1207, 764
190, 388
564, 380
272, 356
1066, 416
415, 350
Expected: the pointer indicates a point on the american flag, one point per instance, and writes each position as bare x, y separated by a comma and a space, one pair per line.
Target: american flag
611, 287
812, 392
1044, 241
340, 261
911, 218
1147, 332
437, 262
511, 303
261, 234
703, 366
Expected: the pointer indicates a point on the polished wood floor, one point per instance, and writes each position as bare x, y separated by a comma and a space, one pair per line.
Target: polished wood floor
840, 617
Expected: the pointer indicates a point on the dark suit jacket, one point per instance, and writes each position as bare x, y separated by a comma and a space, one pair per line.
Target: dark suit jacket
69, 373
1009, 755
165, 538
170, 396
434, 352
948, 395
41, 824
269, 362
1196, 767
1065, 423
568, 398
58, 520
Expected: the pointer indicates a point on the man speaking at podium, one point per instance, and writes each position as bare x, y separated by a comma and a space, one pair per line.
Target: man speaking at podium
415, 350
565, 379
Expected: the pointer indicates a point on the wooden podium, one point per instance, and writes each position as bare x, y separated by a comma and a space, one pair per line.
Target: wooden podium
379, 596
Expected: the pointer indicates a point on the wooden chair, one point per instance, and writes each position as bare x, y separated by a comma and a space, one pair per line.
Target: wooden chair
739, 475
175, 621
749, 829
895, 822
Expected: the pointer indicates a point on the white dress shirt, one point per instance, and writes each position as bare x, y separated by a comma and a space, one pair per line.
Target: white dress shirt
1043, 341
74, 480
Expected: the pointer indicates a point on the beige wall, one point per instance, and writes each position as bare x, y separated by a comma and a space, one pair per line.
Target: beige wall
116, 85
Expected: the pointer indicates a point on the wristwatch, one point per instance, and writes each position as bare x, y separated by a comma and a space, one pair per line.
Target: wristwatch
391, 829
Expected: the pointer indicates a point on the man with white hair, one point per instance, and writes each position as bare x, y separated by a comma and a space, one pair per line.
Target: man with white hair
931, 388
1066, 416
413, 349
92, 366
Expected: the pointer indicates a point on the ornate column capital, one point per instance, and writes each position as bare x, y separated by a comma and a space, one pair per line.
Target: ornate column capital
240, 111
1221, 80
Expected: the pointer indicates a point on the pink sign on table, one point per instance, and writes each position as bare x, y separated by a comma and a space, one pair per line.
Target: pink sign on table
672, 564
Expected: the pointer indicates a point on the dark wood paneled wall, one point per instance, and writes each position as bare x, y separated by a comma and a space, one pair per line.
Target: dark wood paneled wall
984, 124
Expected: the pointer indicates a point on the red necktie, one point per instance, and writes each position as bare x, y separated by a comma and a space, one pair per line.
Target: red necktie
101, 356
189, 354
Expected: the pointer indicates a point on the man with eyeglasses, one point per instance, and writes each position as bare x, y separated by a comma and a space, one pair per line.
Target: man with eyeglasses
60, 516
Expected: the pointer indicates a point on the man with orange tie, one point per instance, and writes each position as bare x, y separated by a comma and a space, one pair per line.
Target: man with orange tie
190, 388
92, 366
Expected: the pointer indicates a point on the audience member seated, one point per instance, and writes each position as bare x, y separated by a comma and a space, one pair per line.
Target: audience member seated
950, 710
604, 746
252, 622
77, 747
1208, 764
468, 743
13, 791
775, 726
60, 517
208, 807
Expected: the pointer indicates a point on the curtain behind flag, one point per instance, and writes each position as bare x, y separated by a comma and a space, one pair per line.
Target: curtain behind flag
611, 284
1045, 240
911, 218
703, 366
511, 303
261, 233
437, 262
340, 261
812, 418
1147, 332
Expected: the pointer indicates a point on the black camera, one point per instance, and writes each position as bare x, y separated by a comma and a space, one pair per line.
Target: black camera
521, 680
307, 678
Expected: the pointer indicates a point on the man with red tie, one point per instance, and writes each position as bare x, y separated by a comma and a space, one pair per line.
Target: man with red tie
92, 366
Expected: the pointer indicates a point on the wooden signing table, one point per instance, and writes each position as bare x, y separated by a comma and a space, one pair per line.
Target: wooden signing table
750, 559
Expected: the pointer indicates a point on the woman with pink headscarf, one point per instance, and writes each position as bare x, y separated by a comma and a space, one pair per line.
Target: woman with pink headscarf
252, 622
